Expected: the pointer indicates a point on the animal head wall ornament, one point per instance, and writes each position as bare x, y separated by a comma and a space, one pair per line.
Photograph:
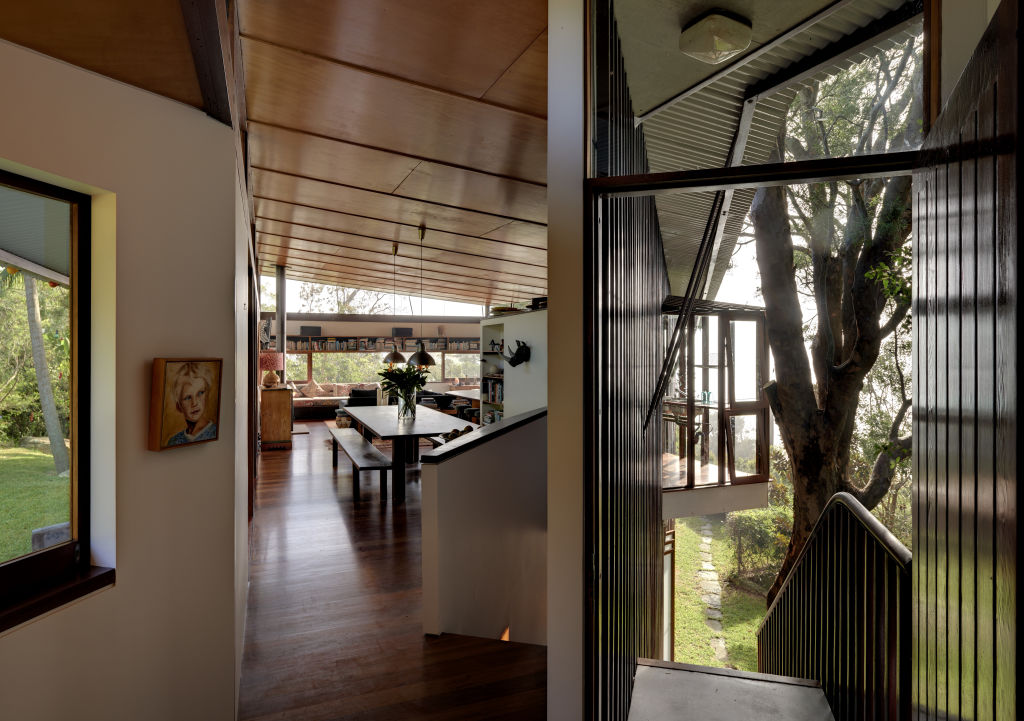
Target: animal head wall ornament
521, 355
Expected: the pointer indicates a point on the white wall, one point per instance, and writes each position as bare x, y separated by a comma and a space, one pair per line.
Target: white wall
161, 643
963, 24
526, 385
566, 165
485, 539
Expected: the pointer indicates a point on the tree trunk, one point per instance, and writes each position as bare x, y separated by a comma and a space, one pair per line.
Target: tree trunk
46, 400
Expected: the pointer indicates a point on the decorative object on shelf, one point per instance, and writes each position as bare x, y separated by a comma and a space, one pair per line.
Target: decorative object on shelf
521, 355
539, 303
271, 361
504, 310
715, 36
421, 359
497, 346
403, 382
184, 406
264, 333
394, 356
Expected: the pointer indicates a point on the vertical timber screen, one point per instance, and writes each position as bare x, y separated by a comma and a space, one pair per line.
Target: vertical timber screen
966, 211
626, 283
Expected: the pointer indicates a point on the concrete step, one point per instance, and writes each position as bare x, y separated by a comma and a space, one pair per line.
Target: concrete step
665, 691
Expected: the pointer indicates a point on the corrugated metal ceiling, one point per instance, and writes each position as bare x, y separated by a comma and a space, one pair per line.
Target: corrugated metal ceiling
697, 131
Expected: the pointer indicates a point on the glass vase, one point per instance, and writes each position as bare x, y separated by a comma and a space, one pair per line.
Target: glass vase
407, 406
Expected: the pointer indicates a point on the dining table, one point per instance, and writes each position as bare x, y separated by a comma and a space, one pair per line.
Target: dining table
383, 422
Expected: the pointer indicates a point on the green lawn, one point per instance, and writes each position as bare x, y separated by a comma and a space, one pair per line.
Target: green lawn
692, 635
31, 495
742, 611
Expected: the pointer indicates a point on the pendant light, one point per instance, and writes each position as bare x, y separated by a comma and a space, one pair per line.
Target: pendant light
394, 356
421, 358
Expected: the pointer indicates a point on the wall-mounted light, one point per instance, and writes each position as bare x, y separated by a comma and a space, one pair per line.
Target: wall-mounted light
715, 36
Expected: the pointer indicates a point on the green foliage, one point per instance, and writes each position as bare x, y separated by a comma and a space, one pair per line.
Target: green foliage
894, 276
402, 380
20, 410
33, 496
760, 537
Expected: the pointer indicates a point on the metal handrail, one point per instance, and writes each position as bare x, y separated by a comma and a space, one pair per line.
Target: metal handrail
842, 616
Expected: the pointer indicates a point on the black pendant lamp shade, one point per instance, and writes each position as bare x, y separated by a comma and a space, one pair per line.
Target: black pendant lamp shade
394, 357
421, 357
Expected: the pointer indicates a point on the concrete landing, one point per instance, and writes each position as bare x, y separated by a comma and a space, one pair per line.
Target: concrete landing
674, 691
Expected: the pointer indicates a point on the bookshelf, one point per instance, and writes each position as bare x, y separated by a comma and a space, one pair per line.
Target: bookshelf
375, 344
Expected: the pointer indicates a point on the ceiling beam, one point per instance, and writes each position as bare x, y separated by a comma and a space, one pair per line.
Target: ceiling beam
882, 165
451, 275
396, 78
204, 37
409, 198
857, 41
355, 241
375, 219
392, 151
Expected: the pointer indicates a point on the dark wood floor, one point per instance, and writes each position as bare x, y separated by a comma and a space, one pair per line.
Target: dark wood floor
334, 628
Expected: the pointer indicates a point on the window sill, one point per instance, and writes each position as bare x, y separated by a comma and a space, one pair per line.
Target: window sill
55, 596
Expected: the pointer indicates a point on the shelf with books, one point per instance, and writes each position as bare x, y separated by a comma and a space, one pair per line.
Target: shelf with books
376, 344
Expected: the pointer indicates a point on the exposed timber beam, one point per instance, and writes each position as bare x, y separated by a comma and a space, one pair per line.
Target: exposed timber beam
204, 37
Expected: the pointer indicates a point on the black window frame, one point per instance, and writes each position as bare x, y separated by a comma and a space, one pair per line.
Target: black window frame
41, 581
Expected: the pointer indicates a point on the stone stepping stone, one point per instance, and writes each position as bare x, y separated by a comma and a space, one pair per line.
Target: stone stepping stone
710, 587
707, 575
714, 625
705, 556
704, 548
718, 646
707, 566
713, 613
706, 539
712, 600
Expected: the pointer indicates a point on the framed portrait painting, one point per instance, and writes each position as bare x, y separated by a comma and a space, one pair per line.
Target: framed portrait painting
184, 402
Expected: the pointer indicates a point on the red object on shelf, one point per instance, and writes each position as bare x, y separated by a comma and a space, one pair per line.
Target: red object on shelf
271, 361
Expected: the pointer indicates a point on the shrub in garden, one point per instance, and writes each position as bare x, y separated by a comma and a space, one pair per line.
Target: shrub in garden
760, 537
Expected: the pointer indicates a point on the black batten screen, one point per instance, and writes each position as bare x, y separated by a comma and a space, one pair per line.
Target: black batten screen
626, 283
966, 210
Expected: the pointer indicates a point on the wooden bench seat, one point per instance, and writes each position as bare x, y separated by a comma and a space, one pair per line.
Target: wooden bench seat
363, 454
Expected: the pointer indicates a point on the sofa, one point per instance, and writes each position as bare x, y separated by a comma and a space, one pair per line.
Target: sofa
320, 401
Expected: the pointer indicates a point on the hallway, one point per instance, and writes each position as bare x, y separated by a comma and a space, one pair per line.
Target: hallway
334, 627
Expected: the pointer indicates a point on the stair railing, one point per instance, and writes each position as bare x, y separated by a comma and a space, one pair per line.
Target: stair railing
843, 616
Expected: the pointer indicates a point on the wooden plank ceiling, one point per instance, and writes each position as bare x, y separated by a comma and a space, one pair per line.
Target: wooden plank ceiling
144, 44
369, 120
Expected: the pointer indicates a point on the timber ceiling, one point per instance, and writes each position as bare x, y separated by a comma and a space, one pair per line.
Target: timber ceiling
140, 42
370, 120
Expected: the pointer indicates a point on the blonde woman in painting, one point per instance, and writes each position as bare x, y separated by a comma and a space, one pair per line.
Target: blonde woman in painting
191, 391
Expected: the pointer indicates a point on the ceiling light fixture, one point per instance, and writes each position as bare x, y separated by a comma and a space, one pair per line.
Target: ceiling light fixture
715, 36
421, 358
394, 356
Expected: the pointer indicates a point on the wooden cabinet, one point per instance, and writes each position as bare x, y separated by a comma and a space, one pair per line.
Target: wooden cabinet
276, 419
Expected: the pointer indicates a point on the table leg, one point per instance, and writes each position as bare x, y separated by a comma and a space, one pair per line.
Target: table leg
334, 451
398, 453
414, 450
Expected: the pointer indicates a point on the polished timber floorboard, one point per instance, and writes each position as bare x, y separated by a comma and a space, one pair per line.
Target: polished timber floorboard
334, 628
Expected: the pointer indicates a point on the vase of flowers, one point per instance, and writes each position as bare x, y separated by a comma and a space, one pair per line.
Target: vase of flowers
403, 382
